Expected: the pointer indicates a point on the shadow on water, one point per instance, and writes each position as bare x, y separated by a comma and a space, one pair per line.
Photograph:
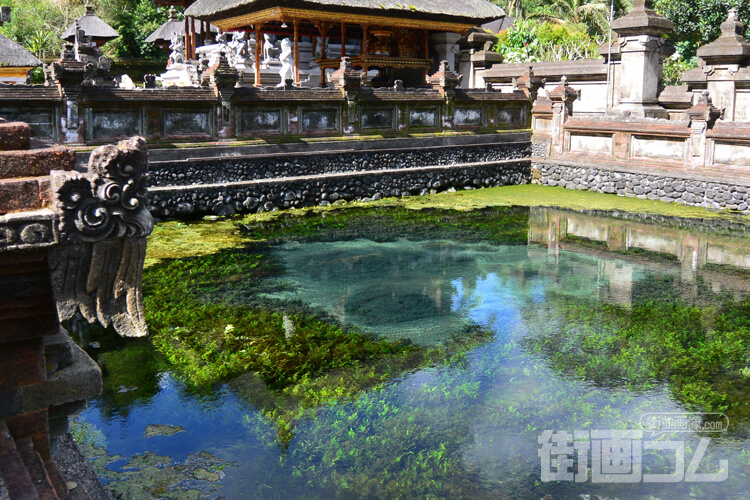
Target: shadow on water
398, 353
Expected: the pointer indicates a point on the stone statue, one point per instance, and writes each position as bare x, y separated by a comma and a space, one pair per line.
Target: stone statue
237, 53
287, 62
268, 47
177, 46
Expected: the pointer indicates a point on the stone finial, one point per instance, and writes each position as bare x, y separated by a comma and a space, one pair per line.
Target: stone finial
733, 27
346, 78
642, 20
444, 80
564, 92
529, 83
703, 109
172, 13
221, 74
731, 47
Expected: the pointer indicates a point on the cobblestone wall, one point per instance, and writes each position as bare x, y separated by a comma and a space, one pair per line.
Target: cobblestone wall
687, 190
257, 196
216, 171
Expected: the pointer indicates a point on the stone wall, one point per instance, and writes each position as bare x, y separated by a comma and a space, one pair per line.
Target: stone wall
74, 113
700, 190
221, 170
257, 196
44, 376
226, 186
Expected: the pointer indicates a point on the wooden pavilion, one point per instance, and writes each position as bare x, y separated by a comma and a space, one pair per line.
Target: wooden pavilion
392, 35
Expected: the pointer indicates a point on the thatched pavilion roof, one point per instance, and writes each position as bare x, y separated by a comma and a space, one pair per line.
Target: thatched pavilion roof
92, 25
463, 11
173, 26
13, 54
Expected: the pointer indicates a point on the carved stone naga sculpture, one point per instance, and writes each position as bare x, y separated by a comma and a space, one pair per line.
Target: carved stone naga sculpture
103, 221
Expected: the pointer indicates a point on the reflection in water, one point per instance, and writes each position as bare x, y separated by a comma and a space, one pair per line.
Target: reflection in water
467, 427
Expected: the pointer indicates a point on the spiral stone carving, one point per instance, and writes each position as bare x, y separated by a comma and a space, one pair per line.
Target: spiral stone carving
103, 224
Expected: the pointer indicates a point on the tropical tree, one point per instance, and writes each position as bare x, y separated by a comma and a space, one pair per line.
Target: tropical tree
594, 14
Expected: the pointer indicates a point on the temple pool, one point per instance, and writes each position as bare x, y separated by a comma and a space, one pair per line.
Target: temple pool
394, 353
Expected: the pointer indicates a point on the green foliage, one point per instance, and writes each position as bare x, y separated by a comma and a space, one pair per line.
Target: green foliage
533, 41
591, 15
37, 25
135, 20
675, 67
697, 22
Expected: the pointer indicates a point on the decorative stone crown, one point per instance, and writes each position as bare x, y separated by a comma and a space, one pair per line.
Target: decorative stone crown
444, 79
642, 20
731, 47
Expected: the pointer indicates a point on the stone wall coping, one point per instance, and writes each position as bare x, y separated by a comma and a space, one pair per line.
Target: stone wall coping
732, 177
35, 162
191, 161
14, 92
223, 185
230, 152
642, 127
735, 132
581, 70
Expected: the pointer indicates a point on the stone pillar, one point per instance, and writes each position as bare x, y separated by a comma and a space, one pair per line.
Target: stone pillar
721, 61
562, 98
224, 79
476, 55
702, 117
641, 47
68, 74
347, 80
446, 82
445, 44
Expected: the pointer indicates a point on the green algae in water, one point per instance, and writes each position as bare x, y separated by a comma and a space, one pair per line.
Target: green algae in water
550, 344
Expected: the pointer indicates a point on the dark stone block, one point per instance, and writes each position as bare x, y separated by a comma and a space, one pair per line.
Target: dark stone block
114, 124
260, 121
423, 117
183, 123
377, 118
14, 136
323, 120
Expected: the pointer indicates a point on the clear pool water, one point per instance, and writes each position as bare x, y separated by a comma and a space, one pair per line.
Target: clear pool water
467, 427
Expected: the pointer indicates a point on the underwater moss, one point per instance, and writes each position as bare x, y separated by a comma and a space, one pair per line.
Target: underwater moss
702, 353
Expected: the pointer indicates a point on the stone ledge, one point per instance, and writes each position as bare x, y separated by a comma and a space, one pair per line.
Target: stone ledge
35, 162
28, 230
280, 180
13, 136
24, 194
674, 186
80, 380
